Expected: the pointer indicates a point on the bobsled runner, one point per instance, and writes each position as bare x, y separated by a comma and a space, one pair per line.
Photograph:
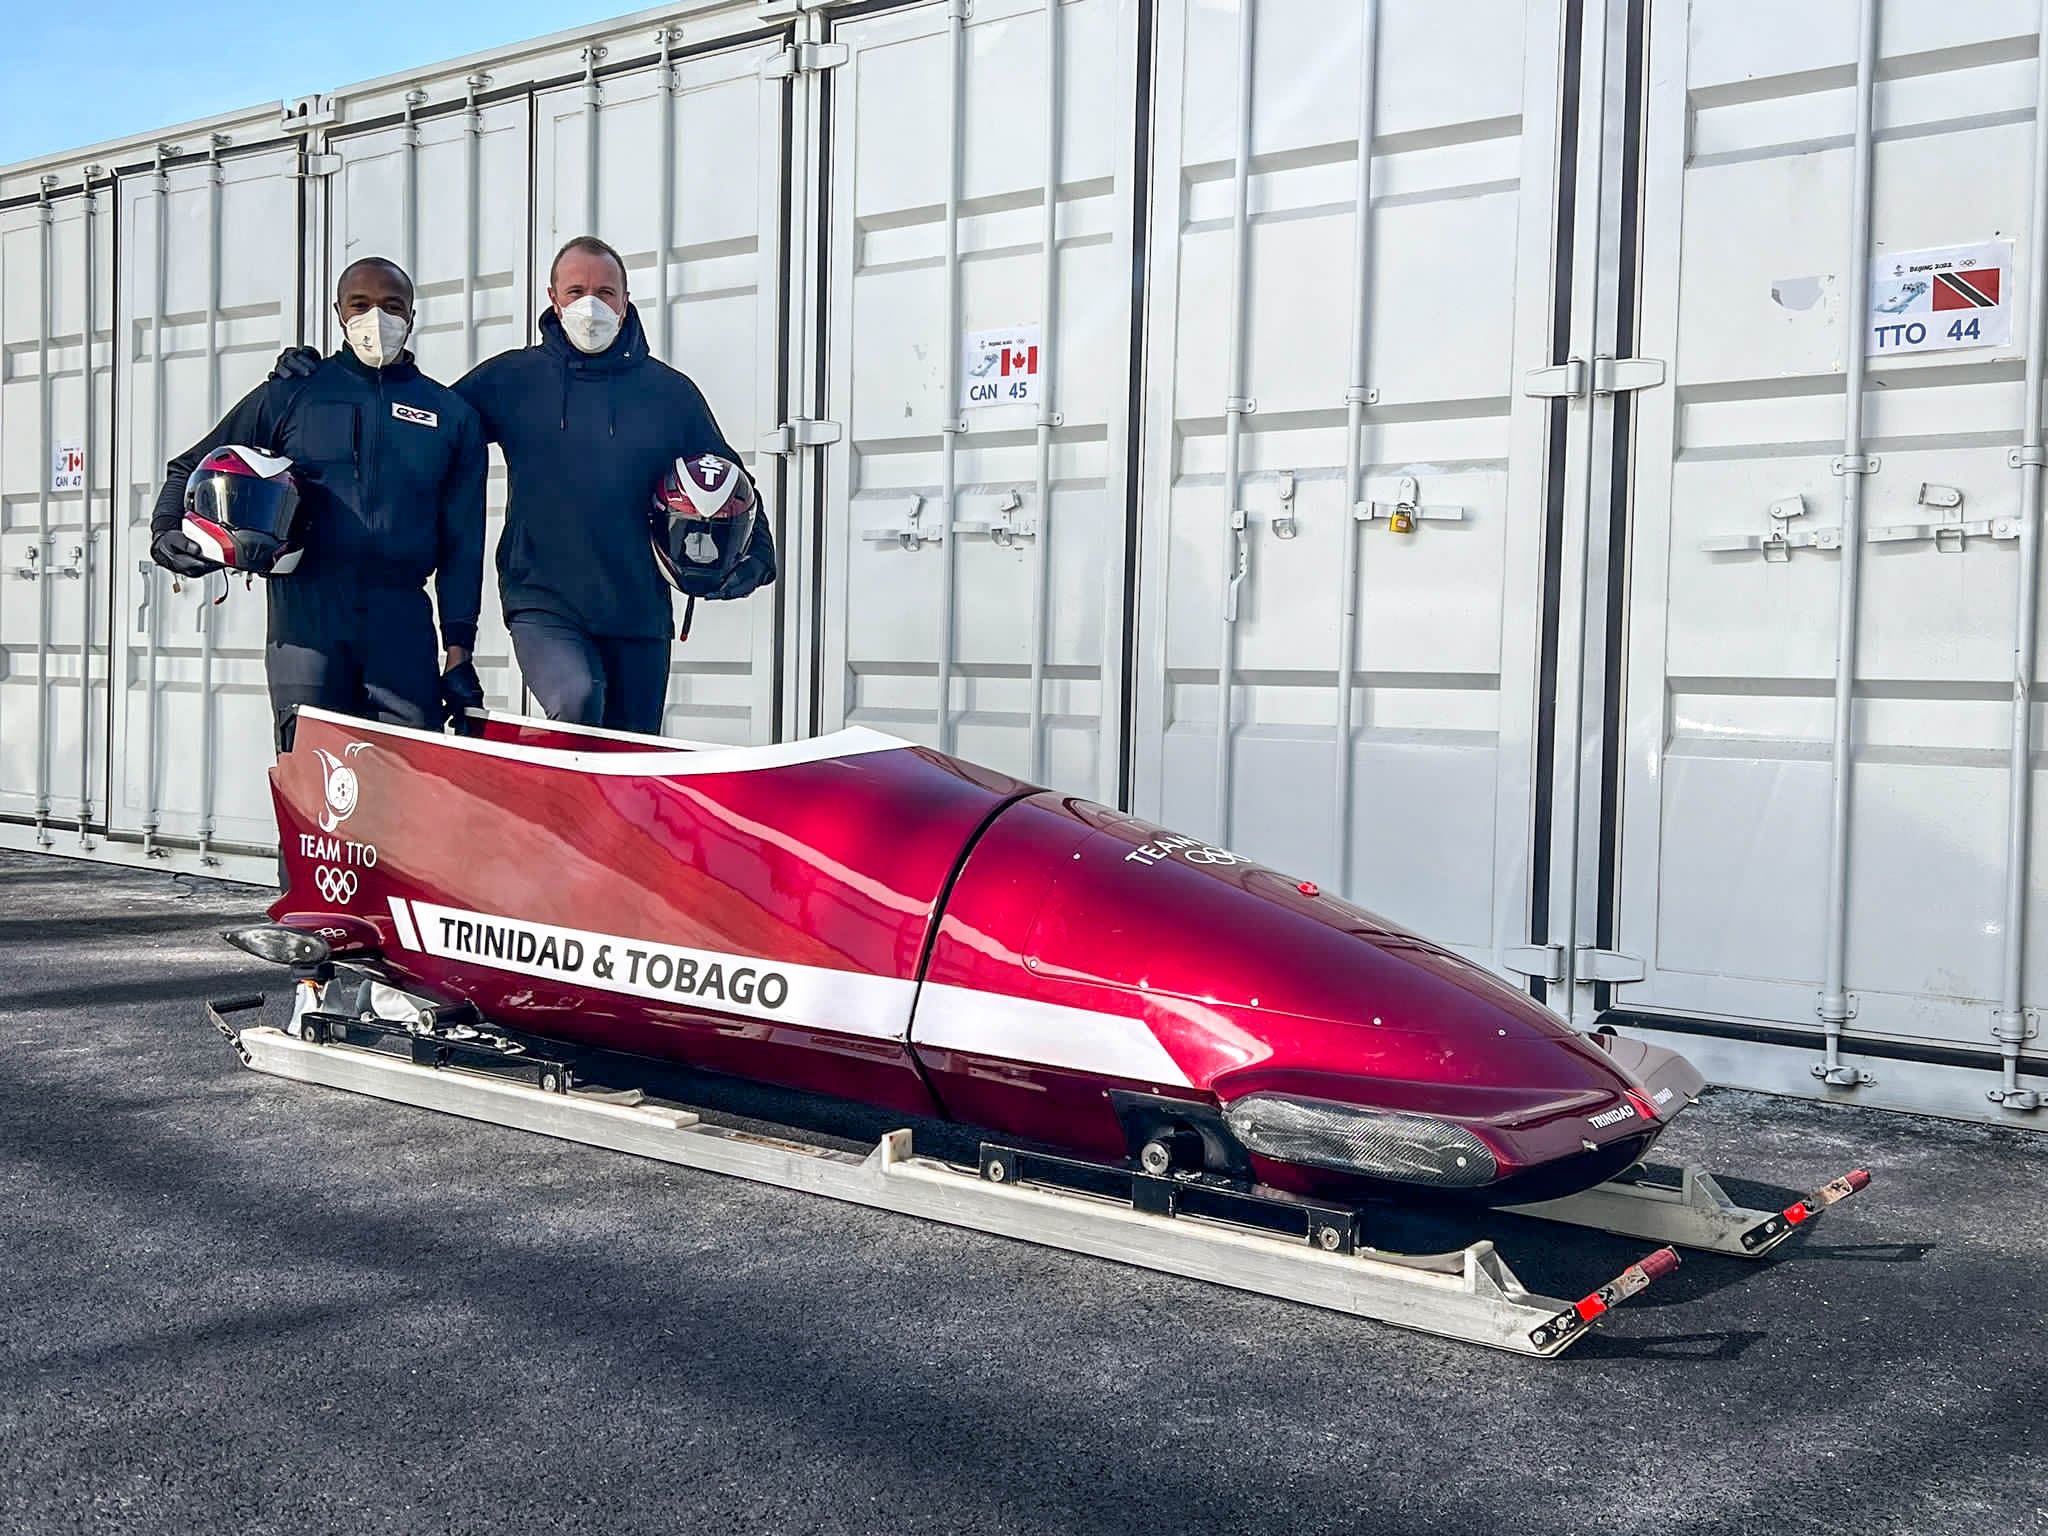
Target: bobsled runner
859, 916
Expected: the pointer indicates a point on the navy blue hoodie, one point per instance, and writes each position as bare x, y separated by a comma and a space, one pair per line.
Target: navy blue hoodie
391, 467
587, 439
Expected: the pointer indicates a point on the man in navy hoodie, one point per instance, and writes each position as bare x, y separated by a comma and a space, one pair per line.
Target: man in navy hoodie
391, 468
589, 422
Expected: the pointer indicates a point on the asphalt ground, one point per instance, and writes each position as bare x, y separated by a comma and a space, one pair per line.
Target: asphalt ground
230, 1303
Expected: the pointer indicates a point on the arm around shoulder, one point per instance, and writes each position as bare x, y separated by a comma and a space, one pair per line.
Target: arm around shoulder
459, 565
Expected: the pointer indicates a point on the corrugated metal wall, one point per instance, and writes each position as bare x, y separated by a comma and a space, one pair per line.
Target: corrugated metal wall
1426, 466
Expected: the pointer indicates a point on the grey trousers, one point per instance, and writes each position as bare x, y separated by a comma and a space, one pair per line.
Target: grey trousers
366, 651
617, 682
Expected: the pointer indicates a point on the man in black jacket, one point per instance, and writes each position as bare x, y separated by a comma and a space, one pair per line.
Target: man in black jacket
589, 422
390, 466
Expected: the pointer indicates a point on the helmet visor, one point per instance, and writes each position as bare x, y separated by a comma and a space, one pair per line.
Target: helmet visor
244, 503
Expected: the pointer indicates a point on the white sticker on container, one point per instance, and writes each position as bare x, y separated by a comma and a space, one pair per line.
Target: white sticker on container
1942, 298
1000, 367
67, 467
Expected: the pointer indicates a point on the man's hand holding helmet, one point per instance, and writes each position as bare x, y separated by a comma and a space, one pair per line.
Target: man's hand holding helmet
241, 512
179, 555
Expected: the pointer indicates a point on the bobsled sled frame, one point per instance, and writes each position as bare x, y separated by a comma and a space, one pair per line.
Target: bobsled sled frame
1469, 1294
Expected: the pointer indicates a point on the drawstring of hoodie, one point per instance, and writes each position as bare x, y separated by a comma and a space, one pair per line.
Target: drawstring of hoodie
611, 408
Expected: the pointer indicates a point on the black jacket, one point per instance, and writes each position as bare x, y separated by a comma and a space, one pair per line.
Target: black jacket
587, 439
394, 497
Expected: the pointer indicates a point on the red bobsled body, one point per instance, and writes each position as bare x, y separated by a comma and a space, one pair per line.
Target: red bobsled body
858, 916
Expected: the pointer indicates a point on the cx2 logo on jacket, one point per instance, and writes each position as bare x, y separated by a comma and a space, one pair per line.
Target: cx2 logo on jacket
415, 415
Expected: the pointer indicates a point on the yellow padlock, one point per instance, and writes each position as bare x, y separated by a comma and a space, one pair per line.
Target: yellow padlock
1402, 521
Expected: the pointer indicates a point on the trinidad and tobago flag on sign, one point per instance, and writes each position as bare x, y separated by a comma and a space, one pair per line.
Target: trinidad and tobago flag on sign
1966, 290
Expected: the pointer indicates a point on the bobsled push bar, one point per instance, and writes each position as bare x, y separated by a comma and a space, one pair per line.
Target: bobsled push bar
1470, 1294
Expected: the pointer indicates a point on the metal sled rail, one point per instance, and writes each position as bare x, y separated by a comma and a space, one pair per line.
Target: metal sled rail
1470, 1294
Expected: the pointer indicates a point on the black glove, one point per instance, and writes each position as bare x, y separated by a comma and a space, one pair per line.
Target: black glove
756, 567
295, 363
462, 690
179, 555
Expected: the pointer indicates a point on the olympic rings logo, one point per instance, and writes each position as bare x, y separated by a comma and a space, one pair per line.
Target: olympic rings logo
335, 885
1208, 854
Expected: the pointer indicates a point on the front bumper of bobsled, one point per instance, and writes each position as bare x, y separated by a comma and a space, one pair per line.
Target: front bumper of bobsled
1355, 1138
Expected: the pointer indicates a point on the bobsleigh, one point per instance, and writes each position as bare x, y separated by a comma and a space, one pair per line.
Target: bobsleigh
860, 916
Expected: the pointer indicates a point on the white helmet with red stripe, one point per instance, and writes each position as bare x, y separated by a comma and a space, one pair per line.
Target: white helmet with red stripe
703, 518
242, 508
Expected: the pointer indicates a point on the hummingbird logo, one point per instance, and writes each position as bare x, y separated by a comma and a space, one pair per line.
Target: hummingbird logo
342, 789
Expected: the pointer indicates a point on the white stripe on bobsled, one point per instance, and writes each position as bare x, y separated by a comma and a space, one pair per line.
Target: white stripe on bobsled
1042, 1034
401, 919
993, 1024
655, 763
803, 996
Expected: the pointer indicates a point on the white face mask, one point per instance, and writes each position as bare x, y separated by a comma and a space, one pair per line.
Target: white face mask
590, 324
377, 338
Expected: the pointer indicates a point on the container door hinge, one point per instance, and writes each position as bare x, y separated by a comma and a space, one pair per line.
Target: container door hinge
804, 59
1545, 962
1607, 376
800, 432
305, 113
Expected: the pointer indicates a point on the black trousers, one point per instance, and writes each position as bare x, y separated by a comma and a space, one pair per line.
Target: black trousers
357, 650
616, 682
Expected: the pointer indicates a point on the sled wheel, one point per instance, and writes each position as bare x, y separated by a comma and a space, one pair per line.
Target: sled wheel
1172, 1147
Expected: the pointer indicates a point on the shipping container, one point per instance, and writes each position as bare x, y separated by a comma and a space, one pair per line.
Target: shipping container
1564, 473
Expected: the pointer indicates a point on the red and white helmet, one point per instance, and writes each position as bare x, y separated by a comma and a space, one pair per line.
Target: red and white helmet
242, 508
703, 518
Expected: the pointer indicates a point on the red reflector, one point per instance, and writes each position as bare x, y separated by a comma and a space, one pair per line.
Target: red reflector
1590, 1308
1308, 888
1797, 1213
1643, 1106
1657, 1265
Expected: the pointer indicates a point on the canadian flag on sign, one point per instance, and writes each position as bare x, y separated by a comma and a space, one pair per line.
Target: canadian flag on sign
1001, 366
67, 467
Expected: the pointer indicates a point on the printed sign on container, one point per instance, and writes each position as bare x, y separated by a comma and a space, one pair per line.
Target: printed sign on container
1000, 367
1941, 298
67, 467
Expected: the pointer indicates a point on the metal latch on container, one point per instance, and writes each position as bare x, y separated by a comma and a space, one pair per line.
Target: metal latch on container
1545, 962
1400, 502
804, 59
1778, 544
1240, 564
1952, 529
311, 166
801, 432
1607, 376
1006, 528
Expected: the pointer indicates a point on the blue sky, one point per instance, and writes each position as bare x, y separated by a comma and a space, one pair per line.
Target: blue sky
75, 73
